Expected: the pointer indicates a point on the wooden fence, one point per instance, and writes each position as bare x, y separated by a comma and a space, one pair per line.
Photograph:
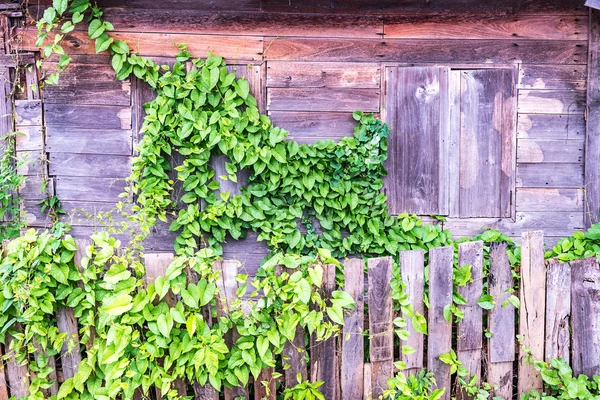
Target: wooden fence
555, 298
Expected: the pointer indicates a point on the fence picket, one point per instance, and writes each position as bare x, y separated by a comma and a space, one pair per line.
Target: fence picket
585, 322
381, 331
439, 340
260, 390
533, 308
558, 311
352, 338
470, 328
412, 271
501, 322
18, 375
367, 382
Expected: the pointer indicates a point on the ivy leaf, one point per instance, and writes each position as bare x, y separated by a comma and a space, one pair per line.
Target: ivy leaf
165, 324
103, 43
336, 314
262, 345
302, 290
96, 29
242, 88
118, 305
486, 302
419, 323
214, 78
60, 6
65, 389
120, 47
294, 239
191, 324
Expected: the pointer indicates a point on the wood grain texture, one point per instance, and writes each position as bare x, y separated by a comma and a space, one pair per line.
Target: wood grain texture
87, 116
568, 77
544, 175
322, 99
90, 165
368, 381
533, 308
28, 112
381, 329
260, 389
111, 92
89, 189
550, 151
507, 27
29, 139
352, 374
558, 311
469, 342
314, 74
89, 141
592, 146
413, 107
540, 126
412, 271
70, 360
3, 384
551, 101
429, 51
31, 188
550, 199
501, 322
310, 127
585, 317
17, 374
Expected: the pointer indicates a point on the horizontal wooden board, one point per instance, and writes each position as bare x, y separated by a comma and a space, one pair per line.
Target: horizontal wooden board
87, 116
540, 126
31, 189
31, 163
313, 126
34, 215
89, 141
30, 138
553, 223
570, 77
91, 213
117, 93
90, 165
89, 189
502, 26
431, 51
551, 101
83, 69
28, 112
550, 175
322, 99
550, 151
549, 199
314, 74
85, 232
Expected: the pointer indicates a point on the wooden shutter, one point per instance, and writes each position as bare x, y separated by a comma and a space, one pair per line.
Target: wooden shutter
416, 109
486, 125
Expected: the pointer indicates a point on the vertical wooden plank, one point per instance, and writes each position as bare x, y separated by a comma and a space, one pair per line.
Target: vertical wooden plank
412, 271
501, 323
439, 340
558, 311
18, 375
585, 308
3, 385
469, 338
508, 152
367, 382
413, 104
66, 322
260, 390
352, 374
323, 357
533, 308
592, 147
453, 144
381, 330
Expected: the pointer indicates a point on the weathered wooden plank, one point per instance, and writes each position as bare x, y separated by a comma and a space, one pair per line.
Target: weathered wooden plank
3, 384
501, 323
558, 311
550, 199
31, 163
545, 175
310, 127
167, 5
76, 188
413, 109
294, 355
381, 329
540, 126
430, 51
114, 93
592, 145
90, 165
28, 112
470, 329
568, 77
313, 74
87, 117
29, 138
265, 386
88, 141
551, 101
323, 358
501, 26
82, 72
550, 151
32, 188
352, 374
533, 308
439, 340
17, 374
412, 271
322, 99
585, 318
91, 213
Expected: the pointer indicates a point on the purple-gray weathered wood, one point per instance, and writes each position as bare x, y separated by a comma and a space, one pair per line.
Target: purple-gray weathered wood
547, 126
89, 141
89, 189
28, 112
439, 339
90, 165
310, 127
352, 339
551, 101
550, 175
86, 116
558, 311
550, 151
592, 147
412, 271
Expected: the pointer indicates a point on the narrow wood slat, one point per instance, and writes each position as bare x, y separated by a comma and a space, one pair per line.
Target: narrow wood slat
323, 99
352, 374
585, 322
470, 328
439, 339
381, 330
347, 75
592, 146
323, 357
558, 311
533, 308
546, 126
368, 381
412, 271
501, 322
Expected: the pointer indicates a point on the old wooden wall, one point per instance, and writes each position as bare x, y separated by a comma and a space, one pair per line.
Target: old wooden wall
312, 64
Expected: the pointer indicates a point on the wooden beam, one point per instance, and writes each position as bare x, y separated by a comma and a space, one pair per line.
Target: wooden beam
593, 3
592, 148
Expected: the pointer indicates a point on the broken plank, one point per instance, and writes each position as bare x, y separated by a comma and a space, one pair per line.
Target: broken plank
558, 311
352, 374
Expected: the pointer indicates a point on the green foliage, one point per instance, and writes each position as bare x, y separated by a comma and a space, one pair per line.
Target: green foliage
580, 245
414, 387
464, 382
11, 219
561, 384
304, 391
